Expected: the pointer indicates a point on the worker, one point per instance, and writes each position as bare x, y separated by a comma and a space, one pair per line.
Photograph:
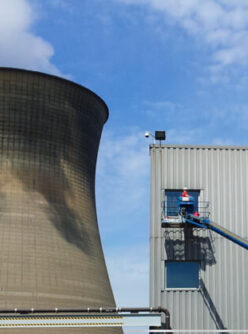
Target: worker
184, 193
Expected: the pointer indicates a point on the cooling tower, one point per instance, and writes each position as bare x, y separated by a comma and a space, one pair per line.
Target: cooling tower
50, 249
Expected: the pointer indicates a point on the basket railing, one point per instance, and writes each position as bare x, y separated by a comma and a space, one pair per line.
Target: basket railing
170, 208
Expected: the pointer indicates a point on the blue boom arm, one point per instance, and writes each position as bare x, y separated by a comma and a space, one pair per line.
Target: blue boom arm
208, 224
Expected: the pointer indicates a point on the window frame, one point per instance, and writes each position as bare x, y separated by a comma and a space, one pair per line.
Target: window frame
182, 288
191, 192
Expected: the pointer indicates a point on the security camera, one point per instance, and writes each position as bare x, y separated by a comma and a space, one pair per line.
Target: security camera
147, 134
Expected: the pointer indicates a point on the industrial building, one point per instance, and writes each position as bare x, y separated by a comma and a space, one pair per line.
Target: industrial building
197, 274
50, 250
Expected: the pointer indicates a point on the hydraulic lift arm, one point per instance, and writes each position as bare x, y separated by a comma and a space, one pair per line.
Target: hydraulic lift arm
208, 224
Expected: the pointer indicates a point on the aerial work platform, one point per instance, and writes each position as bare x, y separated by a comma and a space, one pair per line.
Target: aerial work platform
189, 214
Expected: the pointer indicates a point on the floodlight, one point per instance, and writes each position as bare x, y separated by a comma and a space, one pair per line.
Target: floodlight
160, 135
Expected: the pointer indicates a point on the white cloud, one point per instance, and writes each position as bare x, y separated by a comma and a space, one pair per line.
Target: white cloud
167, 110
129, 275
19, 47
122, 172
235, 116
222, 24
171, 114
187, 136
123, 203
223, 142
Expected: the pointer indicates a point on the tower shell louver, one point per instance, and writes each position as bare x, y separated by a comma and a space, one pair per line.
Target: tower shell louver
50, 248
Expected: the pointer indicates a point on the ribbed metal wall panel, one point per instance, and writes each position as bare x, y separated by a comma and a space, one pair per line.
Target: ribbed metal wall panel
221, 175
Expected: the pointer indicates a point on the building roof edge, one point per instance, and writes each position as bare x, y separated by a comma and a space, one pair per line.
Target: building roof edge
207, 147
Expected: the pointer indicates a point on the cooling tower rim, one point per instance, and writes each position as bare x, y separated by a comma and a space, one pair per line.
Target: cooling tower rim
56, 77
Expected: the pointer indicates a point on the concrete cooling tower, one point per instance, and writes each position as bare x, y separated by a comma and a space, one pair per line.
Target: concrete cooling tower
50, 249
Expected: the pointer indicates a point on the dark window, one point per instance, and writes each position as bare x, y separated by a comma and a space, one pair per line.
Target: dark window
172, 197
182, 274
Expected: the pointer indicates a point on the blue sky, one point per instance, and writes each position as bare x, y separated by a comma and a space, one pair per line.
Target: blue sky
174, 65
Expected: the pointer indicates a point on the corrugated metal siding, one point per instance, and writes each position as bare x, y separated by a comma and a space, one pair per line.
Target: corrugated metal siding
221, 174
